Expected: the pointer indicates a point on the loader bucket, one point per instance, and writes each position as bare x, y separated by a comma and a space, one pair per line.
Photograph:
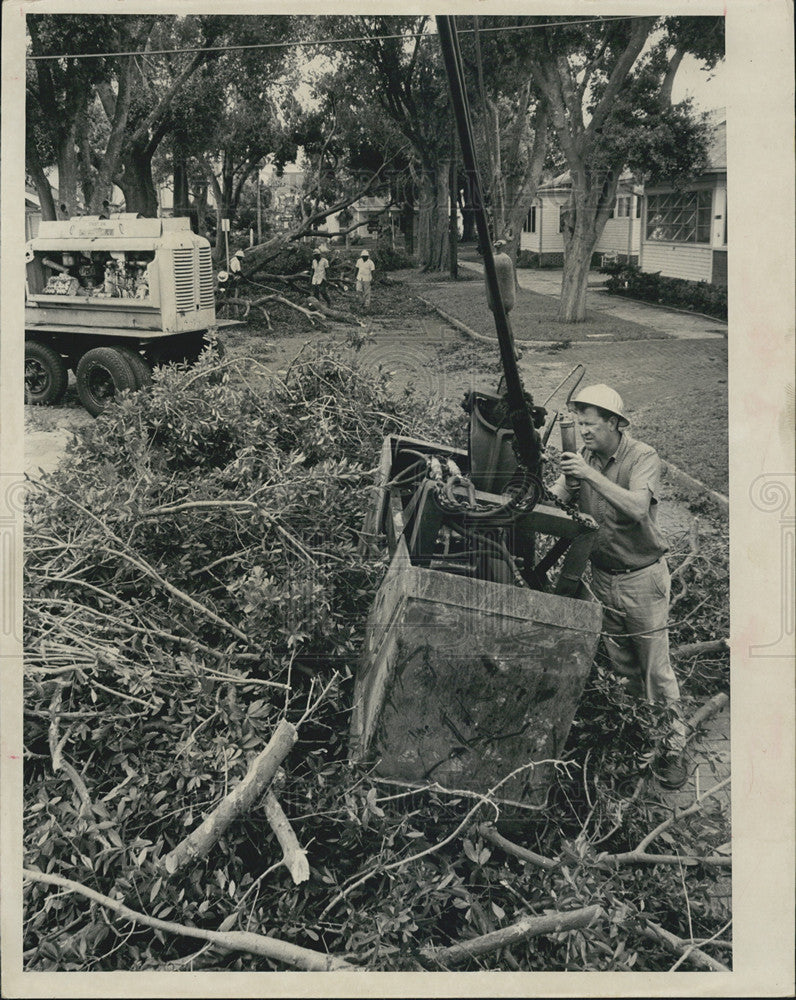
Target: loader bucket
463, 680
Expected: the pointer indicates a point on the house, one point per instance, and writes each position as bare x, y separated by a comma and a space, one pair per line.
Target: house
685, 230
32, 215
543, 229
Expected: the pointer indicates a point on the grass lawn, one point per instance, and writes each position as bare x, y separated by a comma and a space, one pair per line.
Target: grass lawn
533, 317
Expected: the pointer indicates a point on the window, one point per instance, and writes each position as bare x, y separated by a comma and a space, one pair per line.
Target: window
622, 207
680, 216
562, 217
530, 221
638, 206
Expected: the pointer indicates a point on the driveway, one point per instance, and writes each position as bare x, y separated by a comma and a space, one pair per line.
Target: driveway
681, 325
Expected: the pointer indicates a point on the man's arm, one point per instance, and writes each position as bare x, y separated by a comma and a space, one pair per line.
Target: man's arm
634, 503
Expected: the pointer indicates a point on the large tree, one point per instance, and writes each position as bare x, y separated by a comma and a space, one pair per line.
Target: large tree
60, 97
608, 84
397, 67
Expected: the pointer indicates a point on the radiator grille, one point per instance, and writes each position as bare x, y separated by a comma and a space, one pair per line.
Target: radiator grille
207, 297
184, 279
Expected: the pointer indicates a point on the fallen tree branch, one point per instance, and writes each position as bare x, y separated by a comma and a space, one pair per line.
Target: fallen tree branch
312, 315
485, 799
488, 832
695, 648
693, 550
260, 774
294, 855
522, 930
711, 707
699, 943
606, 861
643, 858
180, 595
334, 314
695, 807
255, 944
674, 943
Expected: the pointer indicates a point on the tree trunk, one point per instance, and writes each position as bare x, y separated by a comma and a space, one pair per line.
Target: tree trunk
593, 195
180, 173
43, 189
453, 228
199, 207
138, 185
433, 246
577, 258
67, 173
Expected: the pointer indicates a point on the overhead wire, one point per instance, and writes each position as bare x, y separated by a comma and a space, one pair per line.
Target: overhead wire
324, 41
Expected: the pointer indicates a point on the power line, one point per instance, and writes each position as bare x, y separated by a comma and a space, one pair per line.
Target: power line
325, 41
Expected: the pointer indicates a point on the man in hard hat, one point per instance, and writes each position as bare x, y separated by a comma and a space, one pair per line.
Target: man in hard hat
618, 484
320, 265
365, 268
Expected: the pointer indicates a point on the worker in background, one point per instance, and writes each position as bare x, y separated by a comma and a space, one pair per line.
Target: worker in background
365, 268
235, 264
616, 480
320, 265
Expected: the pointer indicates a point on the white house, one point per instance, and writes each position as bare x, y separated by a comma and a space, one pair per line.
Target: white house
543, 229
685, 230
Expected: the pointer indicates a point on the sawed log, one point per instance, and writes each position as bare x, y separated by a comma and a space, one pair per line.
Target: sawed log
261, 771
522, 930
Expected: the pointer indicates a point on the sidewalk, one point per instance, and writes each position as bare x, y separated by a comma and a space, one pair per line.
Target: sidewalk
680, 325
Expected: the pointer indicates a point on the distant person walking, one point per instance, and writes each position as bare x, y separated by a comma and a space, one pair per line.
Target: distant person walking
365, 268
319, 267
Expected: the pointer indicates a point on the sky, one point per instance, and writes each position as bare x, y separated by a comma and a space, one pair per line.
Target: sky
706, 87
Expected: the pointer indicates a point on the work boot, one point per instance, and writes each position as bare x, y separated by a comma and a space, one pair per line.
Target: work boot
671, 772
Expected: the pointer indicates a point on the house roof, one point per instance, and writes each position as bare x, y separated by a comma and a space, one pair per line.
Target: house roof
717, 158
717, 150
565, 181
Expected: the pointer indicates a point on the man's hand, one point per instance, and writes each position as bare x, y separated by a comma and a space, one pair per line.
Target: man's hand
574, 464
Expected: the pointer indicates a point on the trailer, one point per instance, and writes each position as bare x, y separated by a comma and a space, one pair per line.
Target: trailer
109, 298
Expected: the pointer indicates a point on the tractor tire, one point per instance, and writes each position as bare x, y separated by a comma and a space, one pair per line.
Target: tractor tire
101, 373
139, 367
46, 376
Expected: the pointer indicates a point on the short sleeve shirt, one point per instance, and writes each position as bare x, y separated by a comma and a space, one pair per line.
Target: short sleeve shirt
621, 542
319, 266
365, 269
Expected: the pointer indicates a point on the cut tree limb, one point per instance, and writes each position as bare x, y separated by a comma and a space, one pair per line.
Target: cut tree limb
682, 947
294, 855
711, 707
336, 315
260, 774
694, 648
311, 314
522, 930
488, 832
254, 944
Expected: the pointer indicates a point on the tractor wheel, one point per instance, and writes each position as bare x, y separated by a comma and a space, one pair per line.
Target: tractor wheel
139, 366
46, 376
102, 372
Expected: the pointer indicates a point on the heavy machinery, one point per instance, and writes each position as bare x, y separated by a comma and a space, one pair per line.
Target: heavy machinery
474, 660
109, 298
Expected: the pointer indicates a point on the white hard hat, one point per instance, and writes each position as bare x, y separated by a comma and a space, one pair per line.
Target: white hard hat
239, 253
222, 276
605, 397
364, 254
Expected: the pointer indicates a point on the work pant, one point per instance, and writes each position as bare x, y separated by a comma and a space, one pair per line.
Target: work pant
319, 291
635, 614
363, 287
